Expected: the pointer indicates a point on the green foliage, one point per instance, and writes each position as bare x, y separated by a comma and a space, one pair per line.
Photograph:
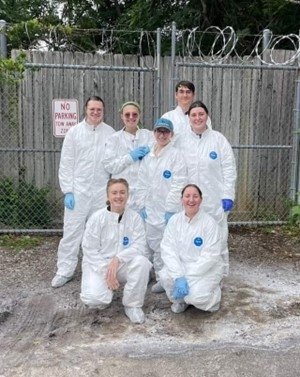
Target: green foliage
19, 243
23, 205
12, 70
295, 214
86, 25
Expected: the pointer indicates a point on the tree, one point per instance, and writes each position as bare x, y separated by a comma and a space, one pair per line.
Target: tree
89, 25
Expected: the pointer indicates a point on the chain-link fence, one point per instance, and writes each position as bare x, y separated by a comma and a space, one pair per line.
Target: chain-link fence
30, 197
254, 106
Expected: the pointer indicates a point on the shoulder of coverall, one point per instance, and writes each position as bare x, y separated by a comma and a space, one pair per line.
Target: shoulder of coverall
216, 135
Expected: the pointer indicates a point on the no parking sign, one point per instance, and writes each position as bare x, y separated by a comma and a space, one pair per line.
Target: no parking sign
64, 115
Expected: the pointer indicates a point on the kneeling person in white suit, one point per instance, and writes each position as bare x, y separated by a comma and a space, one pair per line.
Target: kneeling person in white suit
191, 252
113, 252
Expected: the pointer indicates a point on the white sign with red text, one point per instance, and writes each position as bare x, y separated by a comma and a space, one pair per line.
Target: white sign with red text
64, 115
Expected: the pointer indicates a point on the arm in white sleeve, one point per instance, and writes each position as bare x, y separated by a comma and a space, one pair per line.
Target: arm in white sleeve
169, 250
113, 162
228, 170
210, 259
67, 163
91, 242
138, 243
173, 200
142, 184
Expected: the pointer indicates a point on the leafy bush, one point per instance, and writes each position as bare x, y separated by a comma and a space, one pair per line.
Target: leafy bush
295, 215
23, 205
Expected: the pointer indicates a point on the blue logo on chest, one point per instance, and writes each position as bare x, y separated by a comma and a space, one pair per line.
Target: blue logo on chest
125, 241
213, 155
198, 241
167, 174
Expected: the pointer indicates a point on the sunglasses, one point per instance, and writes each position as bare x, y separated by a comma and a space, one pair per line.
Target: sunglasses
132, 115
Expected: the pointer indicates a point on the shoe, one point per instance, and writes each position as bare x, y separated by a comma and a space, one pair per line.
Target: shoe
215, 308
178, 307
99, 306
136, 315
157, 288
58, 281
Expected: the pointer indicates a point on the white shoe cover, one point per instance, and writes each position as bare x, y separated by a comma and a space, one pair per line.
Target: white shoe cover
136, 315
59, 281
178, 307
157, 288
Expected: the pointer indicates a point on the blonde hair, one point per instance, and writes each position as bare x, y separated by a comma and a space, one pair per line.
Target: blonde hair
131, 103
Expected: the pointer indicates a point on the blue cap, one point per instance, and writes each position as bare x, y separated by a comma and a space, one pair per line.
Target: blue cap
164, 123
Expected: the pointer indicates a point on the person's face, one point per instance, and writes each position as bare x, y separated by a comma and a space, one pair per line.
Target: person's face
94, 112
162, 136
130, 117
191, 201
184, 97
117, 196
198, 118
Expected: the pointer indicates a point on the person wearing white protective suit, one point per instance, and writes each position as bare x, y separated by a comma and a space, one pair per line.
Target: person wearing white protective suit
82, 179
113, 246
211, 166
162, 176
126, 148
184, 95
191, 252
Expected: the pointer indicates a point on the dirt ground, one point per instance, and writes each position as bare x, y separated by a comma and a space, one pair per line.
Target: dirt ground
48, 331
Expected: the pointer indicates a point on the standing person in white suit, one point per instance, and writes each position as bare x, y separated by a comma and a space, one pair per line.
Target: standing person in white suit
126, 148
191, 252
82, 179
184, 95
162, 176
211, 166
113, 246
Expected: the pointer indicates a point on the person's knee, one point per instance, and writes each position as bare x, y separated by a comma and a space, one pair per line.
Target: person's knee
95, 300
141, 262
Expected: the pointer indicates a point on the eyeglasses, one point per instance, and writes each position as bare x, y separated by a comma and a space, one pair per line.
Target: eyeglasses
130, 115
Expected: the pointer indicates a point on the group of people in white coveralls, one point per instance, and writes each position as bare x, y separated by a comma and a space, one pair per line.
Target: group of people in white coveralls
137, 199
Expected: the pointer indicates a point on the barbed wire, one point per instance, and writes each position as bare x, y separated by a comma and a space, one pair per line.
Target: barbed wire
216, 46
210, 46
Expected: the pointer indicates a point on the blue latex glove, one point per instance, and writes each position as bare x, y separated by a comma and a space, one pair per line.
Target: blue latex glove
138, 153
227, 204
143, 213
146, 150
69, 200
181, 288
168, 215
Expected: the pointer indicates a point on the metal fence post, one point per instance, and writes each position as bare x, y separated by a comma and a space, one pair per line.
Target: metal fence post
3, 40
158, 77
266, 41
295, 171
173, 58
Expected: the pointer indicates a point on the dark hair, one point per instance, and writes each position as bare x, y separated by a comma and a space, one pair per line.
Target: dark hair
187, 84
197, 104
112, 181
93, 98
191, 185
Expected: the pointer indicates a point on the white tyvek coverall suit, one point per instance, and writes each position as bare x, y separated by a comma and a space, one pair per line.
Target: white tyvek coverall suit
105, 237
118, 162
192, 248
160, 181
81, 172
180, 122
211, 166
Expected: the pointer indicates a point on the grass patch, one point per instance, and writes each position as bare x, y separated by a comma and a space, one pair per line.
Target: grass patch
19, 243
292, 231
